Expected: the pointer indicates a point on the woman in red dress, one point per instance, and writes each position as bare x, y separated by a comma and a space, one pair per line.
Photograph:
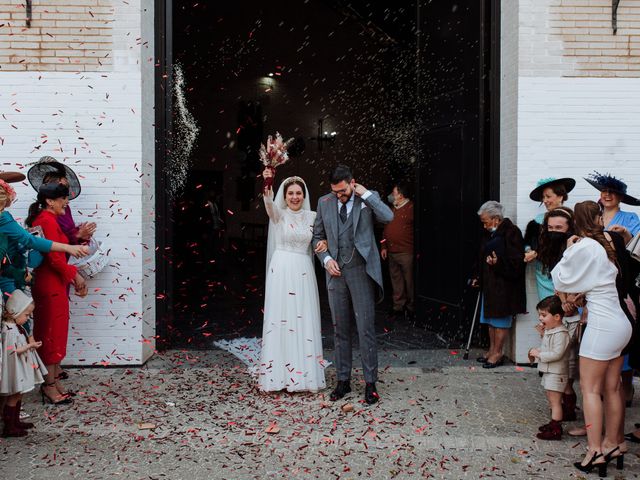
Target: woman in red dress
51, 289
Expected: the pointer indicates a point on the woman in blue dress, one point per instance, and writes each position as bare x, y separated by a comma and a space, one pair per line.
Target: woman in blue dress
613, 192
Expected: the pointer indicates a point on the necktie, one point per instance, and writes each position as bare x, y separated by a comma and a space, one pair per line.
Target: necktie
343, 213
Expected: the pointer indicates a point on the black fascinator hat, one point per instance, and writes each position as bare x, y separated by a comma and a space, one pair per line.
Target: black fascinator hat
536, 193
49, 165
51, 191
606, 181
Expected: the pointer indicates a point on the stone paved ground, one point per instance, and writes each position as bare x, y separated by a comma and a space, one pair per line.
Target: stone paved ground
440, 417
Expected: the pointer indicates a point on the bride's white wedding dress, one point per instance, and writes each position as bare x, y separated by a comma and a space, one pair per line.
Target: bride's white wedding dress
290, 357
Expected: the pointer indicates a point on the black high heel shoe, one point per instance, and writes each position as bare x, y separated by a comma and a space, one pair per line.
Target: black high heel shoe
620, 462
489, 364
619, 458
67, 393
602, 467
64, 401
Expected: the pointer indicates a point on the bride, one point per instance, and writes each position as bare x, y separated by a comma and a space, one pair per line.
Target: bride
290, 357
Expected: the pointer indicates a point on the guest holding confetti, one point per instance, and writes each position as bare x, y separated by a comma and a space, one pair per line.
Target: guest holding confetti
53, 277
49, 170
13, 272
21, 241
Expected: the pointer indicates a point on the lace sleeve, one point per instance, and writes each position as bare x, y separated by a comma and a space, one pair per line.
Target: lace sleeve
274, 212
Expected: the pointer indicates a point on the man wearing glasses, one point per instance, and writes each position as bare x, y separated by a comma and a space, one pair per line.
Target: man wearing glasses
345, 220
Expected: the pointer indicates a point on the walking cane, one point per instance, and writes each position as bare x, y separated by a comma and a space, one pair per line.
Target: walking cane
473, 324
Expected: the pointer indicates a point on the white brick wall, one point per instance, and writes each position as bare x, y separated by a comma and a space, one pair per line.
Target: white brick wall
572, 126
100, 124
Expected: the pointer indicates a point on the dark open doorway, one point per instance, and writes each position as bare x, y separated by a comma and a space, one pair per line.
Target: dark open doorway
459, 153
359, 83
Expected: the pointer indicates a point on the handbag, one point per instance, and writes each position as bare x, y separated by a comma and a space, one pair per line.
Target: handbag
633, 247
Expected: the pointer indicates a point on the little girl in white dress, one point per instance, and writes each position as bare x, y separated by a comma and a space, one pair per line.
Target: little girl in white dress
21, 366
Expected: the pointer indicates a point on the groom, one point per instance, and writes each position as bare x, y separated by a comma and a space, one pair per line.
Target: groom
345, 220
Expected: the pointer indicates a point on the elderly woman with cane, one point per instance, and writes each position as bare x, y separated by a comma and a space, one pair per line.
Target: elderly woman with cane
501, 278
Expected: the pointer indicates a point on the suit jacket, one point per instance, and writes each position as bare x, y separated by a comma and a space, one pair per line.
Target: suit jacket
364, 212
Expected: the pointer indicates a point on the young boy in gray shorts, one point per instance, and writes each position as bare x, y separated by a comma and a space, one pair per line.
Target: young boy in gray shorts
553, 362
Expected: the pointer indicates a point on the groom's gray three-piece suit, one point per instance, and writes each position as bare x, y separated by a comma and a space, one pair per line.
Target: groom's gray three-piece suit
353, 294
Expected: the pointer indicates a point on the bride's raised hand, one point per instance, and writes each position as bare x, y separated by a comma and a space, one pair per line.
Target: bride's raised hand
268, 188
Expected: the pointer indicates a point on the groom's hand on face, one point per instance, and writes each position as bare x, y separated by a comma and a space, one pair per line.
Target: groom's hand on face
333, 268
359, 189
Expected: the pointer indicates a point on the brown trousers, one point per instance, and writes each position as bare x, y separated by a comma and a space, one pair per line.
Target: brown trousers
401, 272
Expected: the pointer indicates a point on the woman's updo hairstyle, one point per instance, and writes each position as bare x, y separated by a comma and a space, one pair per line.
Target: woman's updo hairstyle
47, 191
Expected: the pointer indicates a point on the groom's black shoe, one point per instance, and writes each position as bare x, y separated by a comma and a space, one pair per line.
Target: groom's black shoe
342, 388
371, 394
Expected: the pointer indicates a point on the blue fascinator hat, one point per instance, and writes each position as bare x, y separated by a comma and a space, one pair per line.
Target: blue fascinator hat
607, 182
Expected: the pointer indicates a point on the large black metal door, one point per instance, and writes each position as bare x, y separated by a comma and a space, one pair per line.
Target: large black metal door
441, 175
458, 164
